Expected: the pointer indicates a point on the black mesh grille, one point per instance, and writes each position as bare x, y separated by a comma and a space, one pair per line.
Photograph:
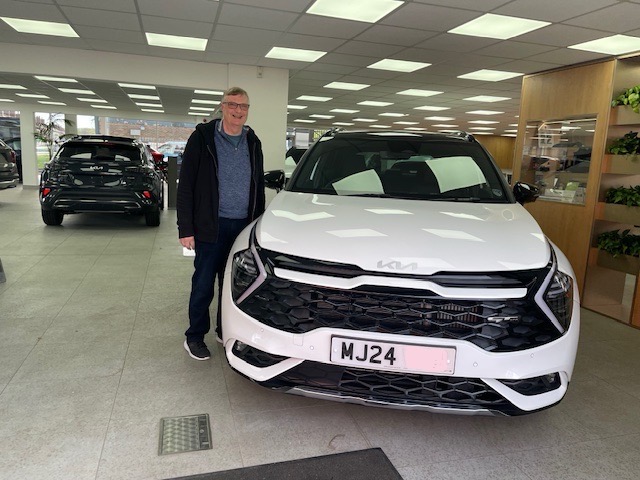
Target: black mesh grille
397, 388
498, 326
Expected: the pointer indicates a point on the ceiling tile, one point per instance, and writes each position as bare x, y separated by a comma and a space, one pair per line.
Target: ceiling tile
99, 33
479, 5
616, 19
288, 5
198, 10
87, 16
309, 42
117, 5
449, 42
370, 49
513, 49
327, 27
561, 35
391, 35
246, 34
249, 49
263, 18
527, 66
184, 28
49, 13
119, 47
552, 10
566, 56
428, 17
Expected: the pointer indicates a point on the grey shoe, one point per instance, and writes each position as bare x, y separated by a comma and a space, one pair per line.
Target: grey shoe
197, 350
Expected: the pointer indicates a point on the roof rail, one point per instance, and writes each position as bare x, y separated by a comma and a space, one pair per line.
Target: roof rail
106, 138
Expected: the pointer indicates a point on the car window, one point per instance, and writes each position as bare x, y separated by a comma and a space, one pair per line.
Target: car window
100, 153
411, 167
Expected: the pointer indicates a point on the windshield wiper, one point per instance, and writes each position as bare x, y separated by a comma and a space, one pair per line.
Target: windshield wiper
460, 199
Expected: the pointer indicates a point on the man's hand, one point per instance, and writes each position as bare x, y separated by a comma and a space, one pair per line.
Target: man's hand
188, 242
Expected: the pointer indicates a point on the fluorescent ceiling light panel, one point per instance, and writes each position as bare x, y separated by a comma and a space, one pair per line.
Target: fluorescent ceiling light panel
444, 125
31, 95
346, 86
486, 98
176, 41
79, 91
381, 126
205, 102
365, 120
490, 75
344, 124
343, 110
613, 45
440, 119
305, 121
208, 92
511, 131
502, 27
509, 135
431, 109
392, 114
10, 86
135, 85
484, 112
296, 107
359, 10
311, 98
105, 107
152, 105
151, 110
316, 115
484, 122
417, 129
8, 100
295, 54
419, 93
45, 102
371, 103
91, 100
46, 78
40, 28
143, 97
198, 113
398, 65
407, 123
481, 128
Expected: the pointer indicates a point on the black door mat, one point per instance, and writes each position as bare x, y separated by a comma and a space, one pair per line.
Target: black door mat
367, 464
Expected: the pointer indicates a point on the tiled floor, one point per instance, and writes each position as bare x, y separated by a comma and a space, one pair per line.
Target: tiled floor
92, 317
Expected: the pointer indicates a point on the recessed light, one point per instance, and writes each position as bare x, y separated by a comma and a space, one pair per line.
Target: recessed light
40, 28
311, 98
206, 102
419, 93
359, 10
135, 96
10, 86
151, 110
613, 45
440, 119
365, 120
208, 92
135, 85
295, 54
372, 103
296, 107
346, 86
481, 128
78, 91
300, 120
105, 107
45, 102
406, 123
152, 105
91, 100
198, 114
343, 110
46, 78
344, 124
432, 109
484, 112
490, 75
31, 95
8, 100
380, 126
498, 26
392, 114
176, 41
398, 65
486, 98
201, 109
484, 122
444, 125
417, 129
317, 115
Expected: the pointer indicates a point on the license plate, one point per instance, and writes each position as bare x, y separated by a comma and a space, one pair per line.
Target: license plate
392, 356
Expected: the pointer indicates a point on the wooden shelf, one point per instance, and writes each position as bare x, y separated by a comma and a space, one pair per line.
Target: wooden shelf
623, 115
618, 213
621, 263
621, 164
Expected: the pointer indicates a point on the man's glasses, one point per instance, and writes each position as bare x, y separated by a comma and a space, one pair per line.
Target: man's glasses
234, 105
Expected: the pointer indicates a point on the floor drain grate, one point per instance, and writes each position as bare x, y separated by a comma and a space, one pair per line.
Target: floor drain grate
184, 434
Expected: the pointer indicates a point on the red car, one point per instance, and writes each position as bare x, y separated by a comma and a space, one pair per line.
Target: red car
159, 160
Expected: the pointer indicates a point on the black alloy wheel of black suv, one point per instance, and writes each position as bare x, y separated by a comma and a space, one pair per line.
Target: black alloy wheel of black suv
101, 173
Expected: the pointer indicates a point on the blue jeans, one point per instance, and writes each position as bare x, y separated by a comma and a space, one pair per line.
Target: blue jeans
209, 263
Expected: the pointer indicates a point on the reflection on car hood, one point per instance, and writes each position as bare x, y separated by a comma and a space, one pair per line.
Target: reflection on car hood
411, 236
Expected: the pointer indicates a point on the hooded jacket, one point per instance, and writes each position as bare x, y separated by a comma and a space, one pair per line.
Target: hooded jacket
197, 200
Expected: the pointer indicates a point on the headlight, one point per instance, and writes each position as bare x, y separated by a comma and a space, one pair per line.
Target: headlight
559, 297
243, 273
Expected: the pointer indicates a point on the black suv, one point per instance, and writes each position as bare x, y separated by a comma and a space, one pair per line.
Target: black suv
8, 169
99, 173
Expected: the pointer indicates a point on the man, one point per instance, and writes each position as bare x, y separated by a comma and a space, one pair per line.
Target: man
221, 191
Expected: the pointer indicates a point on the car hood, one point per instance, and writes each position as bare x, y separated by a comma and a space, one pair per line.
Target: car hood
410, 236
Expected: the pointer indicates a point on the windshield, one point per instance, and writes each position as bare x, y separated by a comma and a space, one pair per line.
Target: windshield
100, 153
400, 167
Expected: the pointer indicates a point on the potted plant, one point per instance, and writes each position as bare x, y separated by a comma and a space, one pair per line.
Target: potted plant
629, 196
629, 144
630, 97
622, 251
51, 129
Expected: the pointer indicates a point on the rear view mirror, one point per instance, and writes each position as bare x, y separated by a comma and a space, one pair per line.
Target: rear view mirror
274, 179
525, 192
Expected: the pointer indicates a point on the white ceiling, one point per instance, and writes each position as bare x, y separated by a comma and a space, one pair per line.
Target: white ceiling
243, 31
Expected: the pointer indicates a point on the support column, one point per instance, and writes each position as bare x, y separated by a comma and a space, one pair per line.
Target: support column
73, 128
28, 143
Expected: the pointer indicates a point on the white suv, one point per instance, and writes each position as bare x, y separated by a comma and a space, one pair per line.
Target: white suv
399, 269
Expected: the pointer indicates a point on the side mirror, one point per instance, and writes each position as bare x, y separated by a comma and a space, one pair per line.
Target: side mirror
525, 192
274, 179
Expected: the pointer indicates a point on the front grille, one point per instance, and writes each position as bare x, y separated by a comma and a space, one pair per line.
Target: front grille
393, 388
497, 326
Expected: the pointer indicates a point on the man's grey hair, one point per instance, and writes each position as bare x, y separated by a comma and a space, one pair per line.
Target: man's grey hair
234, 91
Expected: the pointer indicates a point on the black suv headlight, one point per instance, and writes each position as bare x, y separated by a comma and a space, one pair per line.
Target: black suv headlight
559, 297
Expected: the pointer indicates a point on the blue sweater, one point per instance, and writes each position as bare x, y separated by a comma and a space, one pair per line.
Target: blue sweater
234, 174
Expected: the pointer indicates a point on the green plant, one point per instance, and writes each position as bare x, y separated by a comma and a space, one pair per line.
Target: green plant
51, 129
619, 243
629, 196
631, 97
629, 144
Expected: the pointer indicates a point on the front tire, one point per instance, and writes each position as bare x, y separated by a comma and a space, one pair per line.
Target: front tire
52, 217
152, 218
